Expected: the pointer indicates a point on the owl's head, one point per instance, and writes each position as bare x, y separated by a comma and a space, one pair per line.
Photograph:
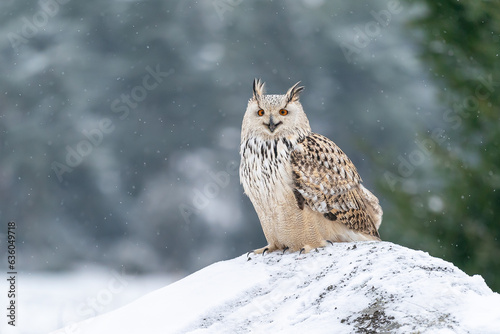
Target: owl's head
275, 116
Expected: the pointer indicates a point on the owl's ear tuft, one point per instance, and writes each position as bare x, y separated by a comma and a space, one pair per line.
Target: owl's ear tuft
258, 89
293, 93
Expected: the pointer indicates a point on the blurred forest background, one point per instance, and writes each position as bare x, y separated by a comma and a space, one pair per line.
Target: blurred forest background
120, 123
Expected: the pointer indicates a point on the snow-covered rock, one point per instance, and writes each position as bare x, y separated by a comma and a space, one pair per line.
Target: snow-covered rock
364, 287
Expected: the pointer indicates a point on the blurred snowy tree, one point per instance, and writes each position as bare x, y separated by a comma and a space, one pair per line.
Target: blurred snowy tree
445, 193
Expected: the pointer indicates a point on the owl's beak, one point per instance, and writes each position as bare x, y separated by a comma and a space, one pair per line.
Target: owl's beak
272, 126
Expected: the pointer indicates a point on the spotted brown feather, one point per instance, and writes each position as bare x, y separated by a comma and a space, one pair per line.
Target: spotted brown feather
327, 181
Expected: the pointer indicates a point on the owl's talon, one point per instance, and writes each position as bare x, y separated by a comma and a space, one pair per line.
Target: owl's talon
330, 242
306, 249
263, 250
285, 249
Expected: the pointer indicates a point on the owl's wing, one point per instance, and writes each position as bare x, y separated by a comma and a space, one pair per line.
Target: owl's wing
325, 179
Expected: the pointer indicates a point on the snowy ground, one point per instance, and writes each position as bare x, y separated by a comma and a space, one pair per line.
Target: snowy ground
48, 301
344, 288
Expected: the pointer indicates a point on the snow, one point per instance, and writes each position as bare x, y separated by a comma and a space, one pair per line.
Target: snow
363, 287
50, 300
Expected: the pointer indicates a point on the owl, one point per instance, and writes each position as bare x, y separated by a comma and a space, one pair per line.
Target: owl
305, 190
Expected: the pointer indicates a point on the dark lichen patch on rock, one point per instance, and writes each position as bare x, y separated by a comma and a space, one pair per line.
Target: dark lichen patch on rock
372, 319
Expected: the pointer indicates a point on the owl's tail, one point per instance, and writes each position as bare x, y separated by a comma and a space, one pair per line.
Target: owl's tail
373, 207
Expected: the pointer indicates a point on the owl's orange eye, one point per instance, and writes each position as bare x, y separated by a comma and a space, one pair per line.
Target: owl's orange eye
260, 112
283, 112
